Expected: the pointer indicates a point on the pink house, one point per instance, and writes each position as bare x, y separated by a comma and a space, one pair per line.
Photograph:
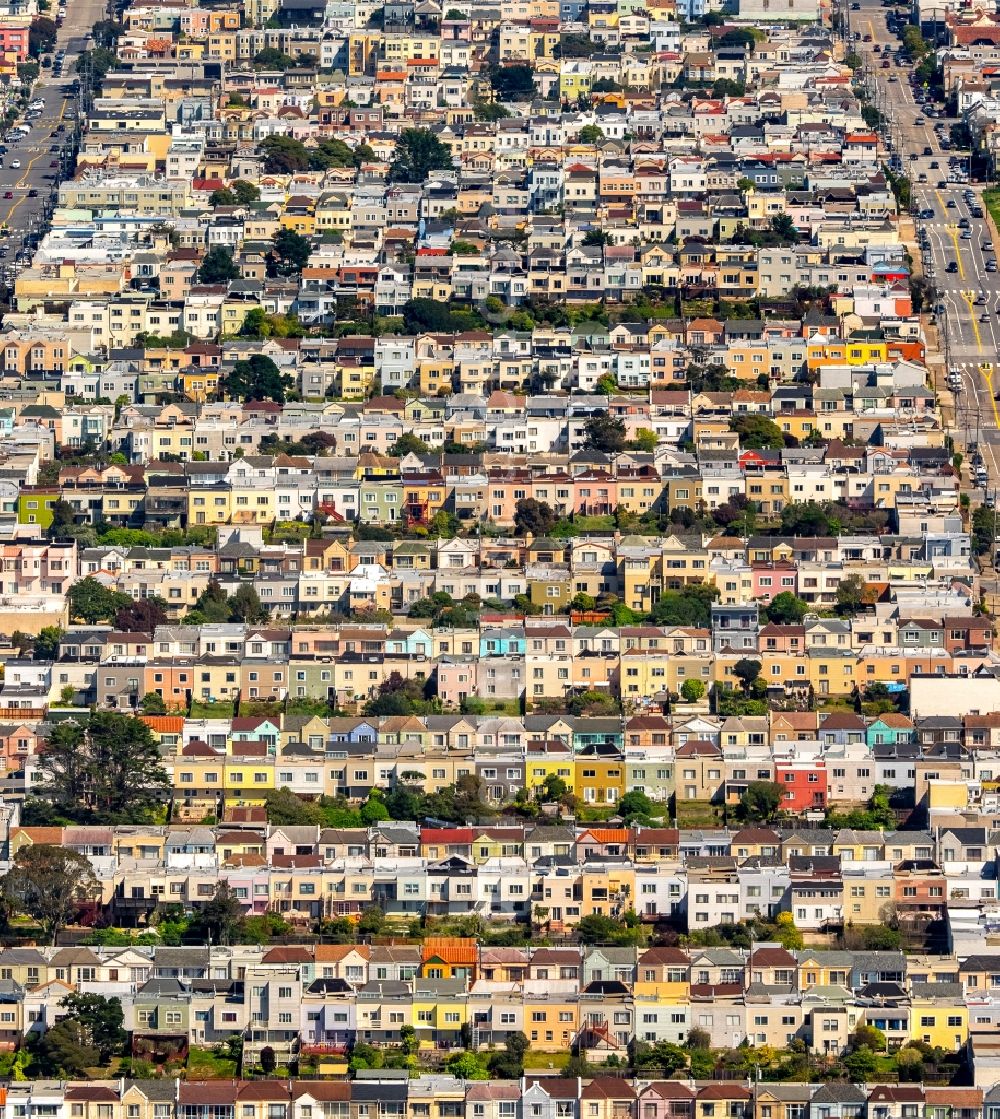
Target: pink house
456, 679
770, 579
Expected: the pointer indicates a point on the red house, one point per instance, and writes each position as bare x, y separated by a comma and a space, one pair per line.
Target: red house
805, 785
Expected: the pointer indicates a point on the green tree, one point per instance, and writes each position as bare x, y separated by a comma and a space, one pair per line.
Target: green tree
467, 1066
635, 804
63, 1050
219, 919
270, 58
692, 690
761, 800
284, 808
283, 155
372, 921
757, 432
784, 227
93, 602
514, 82
256, 378
46, 643
591, 134
553, 788
983, 529
152, 704
418, 153
861, 1065
868, 1037
881, 938
746, 671
409, 444
101, 1020
289, 253
246, 606
221, 197
786, 609
850, 594
245, 191
218, 266
603, 432
645, 440
108, 771
49, 883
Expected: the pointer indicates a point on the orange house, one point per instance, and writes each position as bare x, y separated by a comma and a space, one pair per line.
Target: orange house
450, 957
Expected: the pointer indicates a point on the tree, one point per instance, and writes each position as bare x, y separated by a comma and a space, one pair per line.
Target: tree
108, 771
246, 606
245, 192
221, 197
152, 704
786, 609
142, 615
868, 1037
371, 921
861, 1065
418, 153
268, 1060
786, 934
49, 884
289, 253
850, 594
220, 918
42, 36
93, 602
591, 134
757, 432
635, 804
692, 690
218, 266
746, 671
531, 515
270, 58
467, 1066
881, 938
101, 1021
646, 440
46, 643
603, 432
257, 378
63, 1050
698, 1038
761, 800
283, 155
553, 788
284, 808
212, 604
983, 522
409, 444
784, 227
513, 82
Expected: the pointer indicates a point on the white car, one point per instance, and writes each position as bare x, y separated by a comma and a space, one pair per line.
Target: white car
16, 164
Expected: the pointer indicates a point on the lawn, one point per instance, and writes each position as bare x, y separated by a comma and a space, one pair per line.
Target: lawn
992, 200
204, 1064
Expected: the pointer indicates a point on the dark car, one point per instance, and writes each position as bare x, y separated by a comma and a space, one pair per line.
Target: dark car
32, 193
54, 163
928, 150
952, 266
8, 194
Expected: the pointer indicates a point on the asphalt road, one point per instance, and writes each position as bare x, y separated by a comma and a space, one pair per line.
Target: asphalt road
968, 321
21, 212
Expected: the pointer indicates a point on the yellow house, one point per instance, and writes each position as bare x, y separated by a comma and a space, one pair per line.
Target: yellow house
246, 778
551, 760
939, 1022
209, 505
853, 351
599, 780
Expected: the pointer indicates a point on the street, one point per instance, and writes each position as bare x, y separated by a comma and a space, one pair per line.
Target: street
44, 144
968, 295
